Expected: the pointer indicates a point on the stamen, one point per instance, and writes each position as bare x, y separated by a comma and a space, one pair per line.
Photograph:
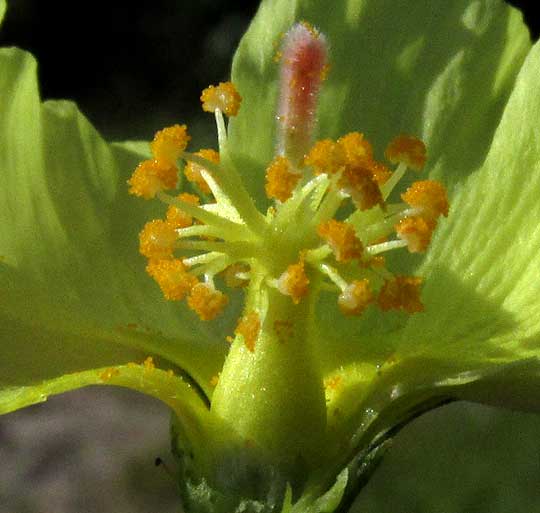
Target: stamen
294, 282
157, 240
408, 150
249, 327
342, 239
334, 276
223, 97
429, 196
151, 177
356, 297
380, 173
169, 143
401, 293
193, 170
359, 183
206, 301
202, 214
201, 259
176, 216
375, 249
393, 180
172, 277
358, 150
327, 157
281, 179
416, 232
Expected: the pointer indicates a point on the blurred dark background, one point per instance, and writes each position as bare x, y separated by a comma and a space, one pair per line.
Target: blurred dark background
134, 68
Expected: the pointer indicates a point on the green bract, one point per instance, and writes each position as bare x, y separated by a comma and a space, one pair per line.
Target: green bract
76, 306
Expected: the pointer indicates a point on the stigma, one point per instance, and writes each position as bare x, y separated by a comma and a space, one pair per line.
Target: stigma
334, 208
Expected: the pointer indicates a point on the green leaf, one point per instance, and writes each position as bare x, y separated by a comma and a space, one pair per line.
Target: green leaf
74, 292
2, 10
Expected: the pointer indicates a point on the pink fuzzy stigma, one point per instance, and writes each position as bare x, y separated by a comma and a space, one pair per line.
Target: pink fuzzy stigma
303, 68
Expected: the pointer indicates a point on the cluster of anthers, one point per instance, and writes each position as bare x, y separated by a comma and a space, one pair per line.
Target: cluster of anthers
329, 227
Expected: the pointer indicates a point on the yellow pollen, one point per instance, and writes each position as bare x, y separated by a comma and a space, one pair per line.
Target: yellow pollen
157, 240
206, 301
176, 216
249, 327
149, 364
294, 282
326, 156
416, 231
223, 97
169, 143
109, 373
429, 196
355, 298
193, 170
357, 149
408, 150
358, 181
401, 293
281, 179
151, 177
173, 279
342, 238
214, 380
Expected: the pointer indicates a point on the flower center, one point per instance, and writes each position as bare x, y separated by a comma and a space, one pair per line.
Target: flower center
330, 216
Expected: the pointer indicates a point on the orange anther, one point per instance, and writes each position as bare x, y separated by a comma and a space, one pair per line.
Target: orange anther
207, 301
355, 298
357, 149
281, 179
407, 149
249, 327
342, 238
169, 143
429, 196
176, 216
379, 172
326, 156
223, 97
401, 293
151, 177
294, 282
172, 277
193, 170
157, 239
416, 231
358, 181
